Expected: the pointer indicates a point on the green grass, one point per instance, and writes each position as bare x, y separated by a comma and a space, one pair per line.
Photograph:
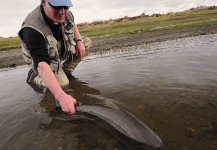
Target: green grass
171, 21
7, 43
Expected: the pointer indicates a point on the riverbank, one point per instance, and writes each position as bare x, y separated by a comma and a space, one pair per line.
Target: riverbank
13, 57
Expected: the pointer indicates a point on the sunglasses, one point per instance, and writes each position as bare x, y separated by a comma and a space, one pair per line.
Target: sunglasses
59, 7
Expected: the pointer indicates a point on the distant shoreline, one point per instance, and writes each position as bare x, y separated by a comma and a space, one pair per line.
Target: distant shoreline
13, 57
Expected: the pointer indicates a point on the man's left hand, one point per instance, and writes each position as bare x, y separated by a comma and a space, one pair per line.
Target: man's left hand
80, 49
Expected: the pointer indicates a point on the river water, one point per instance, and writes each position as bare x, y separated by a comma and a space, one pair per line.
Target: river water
171, 86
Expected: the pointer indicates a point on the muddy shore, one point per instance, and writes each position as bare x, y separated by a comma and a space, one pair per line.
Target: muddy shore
13, 57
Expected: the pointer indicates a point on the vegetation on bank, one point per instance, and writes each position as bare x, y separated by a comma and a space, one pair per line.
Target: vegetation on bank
195, 17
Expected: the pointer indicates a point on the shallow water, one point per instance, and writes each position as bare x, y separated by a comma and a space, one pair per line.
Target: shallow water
170, 86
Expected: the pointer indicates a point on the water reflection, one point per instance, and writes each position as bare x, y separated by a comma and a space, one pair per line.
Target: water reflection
170, 85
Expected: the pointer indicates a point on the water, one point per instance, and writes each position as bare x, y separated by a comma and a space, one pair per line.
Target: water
170, 86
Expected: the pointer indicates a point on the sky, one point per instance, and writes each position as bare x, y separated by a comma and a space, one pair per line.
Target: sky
13, 12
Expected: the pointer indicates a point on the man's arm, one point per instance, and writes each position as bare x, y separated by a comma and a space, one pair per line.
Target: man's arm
67, 102
36, 44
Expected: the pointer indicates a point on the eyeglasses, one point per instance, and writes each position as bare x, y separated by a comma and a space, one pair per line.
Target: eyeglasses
59, 7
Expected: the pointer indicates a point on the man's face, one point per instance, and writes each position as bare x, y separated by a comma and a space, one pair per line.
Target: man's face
56, 14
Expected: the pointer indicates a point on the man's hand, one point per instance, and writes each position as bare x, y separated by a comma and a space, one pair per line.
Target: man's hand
67, 103
80, 49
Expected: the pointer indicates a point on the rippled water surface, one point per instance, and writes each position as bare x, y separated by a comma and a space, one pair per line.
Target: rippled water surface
171, 86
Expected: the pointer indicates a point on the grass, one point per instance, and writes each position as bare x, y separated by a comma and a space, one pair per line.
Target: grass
196, 17
171, 21
8, 43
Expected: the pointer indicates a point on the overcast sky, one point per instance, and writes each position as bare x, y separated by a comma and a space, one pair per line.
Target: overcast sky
13, 12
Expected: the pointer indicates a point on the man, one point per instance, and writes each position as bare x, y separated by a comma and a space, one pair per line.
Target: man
51, 42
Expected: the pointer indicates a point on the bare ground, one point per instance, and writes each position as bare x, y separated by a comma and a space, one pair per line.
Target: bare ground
13, 57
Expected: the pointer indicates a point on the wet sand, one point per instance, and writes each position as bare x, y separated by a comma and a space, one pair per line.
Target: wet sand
13, 57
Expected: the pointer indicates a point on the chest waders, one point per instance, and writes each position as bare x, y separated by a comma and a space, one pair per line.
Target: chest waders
59, 65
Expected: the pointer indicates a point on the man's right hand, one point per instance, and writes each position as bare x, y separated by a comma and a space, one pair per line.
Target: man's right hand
67, 103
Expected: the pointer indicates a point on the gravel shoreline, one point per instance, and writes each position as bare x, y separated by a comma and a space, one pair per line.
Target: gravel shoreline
13, 57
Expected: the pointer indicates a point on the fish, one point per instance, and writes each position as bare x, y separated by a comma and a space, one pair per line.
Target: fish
131, 131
